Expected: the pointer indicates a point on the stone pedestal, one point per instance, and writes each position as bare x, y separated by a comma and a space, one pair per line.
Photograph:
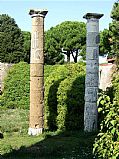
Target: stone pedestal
36, 124
92, 72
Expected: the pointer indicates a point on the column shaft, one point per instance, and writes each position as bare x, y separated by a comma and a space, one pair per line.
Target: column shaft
36, 124
92, 72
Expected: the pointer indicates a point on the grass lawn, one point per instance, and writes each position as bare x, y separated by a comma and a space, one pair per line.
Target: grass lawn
16, 144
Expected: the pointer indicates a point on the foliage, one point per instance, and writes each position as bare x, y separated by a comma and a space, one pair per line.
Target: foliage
107, 142
52, 51
115, 83
26, 45
64, 88
114, 31
64, 94
51, 87
104, 42
11, 40
16, 87
71, 36
70, 97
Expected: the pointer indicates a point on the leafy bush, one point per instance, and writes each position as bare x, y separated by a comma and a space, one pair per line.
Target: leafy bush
64, 97
107, 142
16, 87
51, 87
70, 97
115, 83
64, 93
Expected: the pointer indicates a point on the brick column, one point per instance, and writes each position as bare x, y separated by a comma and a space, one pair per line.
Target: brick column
36, 124
92, 72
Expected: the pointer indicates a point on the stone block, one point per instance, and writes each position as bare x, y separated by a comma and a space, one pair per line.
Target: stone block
37, 56
92, 39
36, 83
92, 66
37, 21
36, 70
93, 25
92, 80
91, 94
92, 53
36, 122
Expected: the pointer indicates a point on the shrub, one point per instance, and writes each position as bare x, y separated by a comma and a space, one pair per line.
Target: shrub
107, 143
64, 93
16, 87
70, 97
51, 87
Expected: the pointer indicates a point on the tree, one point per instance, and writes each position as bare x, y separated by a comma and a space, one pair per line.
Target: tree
105, 42
68, 36
26, 45
11, 40
52, 49
114, 31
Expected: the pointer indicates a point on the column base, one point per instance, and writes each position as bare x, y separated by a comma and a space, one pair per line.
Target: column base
35, 131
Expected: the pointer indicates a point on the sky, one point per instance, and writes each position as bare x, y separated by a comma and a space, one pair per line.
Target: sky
58, 11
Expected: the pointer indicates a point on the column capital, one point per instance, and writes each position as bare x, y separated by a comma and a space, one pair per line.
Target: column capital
38, 12
92, 15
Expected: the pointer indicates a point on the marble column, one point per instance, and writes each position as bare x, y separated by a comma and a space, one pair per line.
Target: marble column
36, 123
92, 72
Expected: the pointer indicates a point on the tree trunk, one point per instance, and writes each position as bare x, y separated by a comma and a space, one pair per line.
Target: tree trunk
68, 56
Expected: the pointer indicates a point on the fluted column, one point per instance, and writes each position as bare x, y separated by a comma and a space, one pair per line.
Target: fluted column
36, 123
92, 72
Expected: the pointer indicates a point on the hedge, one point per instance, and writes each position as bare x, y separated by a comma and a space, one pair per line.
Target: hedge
70, 97
64, 93
16, 87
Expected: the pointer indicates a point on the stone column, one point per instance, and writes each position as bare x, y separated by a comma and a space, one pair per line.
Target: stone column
92, 72
36, 124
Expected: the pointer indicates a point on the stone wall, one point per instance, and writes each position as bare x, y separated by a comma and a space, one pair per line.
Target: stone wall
105, 75
3, 72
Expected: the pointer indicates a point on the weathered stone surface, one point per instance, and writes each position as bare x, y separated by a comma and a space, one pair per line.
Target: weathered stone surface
37, 56
92, 53
37, 97
92, 25
38, 110
92, 66
38, 21
36, 83
91, 94
92, 80
92, 72
36, 122
90, 108
36, 70
37, 41
91, 115
92, 39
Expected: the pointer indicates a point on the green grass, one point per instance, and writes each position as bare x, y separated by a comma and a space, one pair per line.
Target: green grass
16, 144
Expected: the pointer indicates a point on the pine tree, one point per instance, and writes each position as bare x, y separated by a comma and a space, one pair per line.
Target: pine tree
11, 40
114, 31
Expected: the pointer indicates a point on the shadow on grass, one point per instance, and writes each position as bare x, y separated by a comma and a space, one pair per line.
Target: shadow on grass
62, 145
67, 145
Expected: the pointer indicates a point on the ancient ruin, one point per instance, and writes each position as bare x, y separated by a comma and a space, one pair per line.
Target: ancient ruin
92, 72
36, 124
